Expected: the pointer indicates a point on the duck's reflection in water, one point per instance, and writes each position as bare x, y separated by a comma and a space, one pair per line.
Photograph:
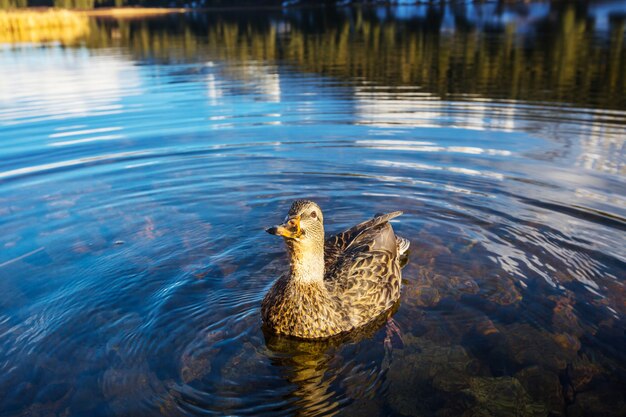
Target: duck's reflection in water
329, 374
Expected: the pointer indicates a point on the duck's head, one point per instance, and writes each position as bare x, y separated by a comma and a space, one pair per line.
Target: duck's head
304, 225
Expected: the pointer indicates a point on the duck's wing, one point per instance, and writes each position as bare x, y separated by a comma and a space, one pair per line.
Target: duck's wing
336, 245
366, 276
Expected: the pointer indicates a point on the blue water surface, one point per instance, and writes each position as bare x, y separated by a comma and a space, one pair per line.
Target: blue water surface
140, 164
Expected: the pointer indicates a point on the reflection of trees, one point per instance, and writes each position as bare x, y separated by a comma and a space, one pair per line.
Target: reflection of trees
6, 4
559, 61
75, 4
90, 4
54, 25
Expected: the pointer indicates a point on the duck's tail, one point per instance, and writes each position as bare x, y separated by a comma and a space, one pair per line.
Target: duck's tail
403, 245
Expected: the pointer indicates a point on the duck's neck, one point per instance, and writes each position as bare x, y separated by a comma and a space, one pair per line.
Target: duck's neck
307, 262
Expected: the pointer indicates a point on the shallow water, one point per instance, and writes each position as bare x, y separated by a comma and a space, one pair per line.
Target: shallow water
141, 160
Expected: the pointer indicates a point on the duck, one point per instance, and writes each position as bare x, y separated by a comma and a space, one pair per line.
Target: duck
336, 284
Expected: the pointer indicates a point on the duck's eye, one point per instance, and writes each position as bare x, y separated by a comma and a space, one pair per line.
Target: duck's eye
314, 214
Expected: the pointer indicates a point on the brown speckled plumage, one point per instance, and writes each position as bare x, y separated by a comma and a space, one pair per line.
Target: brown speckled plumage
333, 285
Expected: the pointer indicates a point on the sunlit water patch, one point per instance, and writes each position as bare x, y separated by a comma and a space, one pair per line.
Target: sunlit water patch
135, 187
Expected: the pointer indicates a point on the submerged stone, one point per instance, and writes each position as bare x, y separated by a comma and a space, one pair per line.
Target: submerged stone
581, 372
564, 318
426, 296
606, 400
193, 368
568, 342
527, 346
486, 327
505, 292
426, 376
502, 396
543, 387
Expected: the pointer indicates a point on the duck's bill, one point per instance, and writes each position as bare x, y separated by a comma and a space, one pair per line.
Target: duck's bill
290, 229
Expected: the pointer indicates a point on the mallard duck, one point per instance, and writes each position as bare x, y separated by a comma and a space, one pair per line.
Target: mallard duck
333, 285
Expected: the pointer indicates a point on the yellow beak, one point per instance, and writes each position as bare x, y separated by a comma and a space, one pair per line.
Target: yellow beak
290, 229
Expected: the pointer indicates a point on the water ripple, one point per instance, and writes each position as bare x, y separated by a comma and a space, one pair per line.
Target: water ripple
134, 194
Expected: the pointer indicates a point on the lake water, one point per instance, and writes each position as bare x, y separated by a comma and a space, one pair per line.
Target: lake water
140, 161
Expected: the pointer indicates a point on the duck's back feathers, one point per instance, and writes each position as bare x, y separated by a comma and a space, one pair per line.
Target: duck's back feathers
364, 271
338, 244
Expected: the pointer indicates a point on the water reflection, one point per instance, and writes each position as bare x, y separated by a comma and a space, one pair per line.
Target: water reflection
54, 83
401, 109
480, 47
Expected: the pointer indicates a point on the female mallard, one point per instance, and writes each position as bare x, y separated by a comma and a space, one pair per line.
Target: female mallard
336, 285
